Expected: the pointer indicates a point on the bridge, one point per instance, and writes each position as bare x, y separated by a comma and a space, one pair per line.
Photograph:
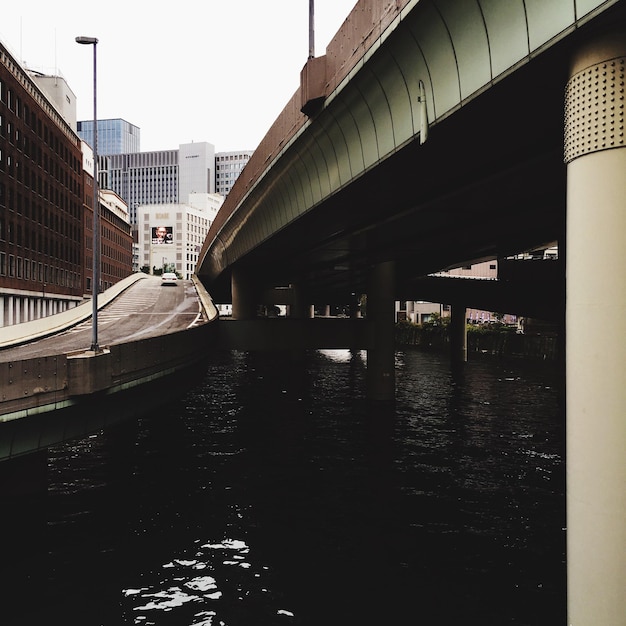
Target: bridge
436, 140
428, 136
436, 133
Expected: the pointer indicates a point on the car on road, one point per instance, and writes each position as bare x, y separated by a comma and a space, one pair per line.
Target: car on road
169, 278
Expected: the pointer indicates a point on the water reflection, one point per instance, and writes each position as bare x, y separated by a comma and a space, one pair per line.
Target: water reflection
344, 356
274, 493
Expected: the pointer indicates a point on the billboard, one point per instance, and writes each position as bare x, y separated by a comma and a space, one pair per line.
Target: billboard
162, 235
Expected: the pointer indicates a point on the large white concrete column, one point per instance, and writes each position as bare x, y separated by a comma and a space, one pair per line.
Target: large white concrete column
595, 153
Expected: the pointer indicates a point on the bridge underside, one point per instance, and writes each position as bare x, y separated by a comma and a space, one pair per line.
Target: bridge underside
489, 182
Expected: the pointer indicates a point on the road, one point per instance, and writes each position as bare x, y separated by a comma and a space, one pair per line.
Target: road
144, 310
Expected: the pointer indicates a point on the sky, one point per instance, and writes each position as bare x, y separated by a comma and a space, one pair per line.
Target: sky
218, 71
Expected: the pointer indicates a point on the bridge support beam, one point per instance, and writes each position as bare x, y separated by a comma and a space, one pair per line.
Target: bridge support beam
458, 333
595, 152
300, 308
243, 295
381, 379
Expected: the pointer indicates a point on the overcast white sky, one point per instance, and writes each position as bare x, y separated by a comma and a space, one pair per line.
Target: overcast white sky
218, 71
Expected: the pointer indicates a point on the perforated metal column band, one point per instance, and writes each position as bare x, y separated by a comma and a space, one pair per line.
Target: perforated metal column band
594, 109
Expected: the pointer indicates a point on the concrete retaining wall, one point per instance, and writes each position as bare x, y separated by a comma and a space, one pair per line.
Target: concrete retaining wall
44, 401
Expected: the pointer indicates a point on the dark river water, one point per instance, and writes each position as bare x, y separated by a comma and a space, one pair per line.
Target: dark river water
273, 494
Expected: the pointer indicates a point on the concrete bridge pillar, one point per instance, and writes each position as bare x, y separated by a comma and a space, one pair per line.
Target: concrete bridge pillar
243, 295
595, 153
381, 378
300, 307
458, 333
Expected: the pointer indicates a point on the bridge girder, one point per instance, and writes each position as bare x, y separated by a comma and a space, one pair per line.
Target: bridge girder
357, 186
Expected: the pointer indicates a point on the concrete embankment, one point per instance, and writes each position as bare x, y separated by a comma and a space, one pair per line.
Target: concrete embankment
49, 399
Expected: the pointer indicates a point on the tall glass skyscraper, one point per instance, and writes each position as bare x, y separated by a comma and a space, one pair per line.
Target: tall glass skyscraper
115, 136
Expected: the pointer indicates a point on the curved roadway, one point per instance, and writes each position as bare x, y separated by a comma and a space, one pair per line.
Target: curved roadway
145, 309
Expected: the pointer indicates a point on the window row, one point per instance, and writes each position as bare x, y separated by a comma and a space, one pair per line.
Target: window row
53, 150
18, 267
122, 256
62, 244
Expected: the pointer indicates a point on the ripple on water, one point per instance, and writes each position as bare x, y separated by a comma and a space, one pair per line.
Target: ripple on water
180, 585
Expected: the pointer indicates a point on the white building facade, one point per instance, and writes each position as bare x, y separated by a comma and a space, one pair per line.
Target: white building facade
170, 236
160, 177
228, 167
196, 169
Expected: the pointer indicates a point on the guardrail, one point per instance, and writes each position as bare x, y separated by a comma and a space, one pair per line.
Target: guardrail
44, 327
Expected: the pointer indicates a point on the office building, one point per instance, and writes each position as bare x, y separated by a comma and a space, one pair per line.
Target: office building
116, 242
41, 200
228, 167
46, 201
196, 169
160, 177
170, 236
58, 92
115, 136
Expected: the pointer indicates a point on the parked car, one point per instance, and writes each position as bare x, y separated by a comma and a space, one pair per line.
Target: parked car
169, 278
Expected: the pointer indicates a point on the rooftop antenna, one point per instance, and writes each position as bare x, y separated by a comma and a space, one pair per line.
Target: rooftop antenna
56, 63
311, 29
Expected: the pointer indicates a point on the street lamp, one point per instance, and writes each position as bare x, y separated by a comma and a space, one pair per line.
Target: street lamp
311, 29
95, 280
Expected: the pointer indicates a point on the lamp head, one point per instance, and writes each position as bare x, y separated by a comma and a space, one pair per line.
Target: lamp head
86, 40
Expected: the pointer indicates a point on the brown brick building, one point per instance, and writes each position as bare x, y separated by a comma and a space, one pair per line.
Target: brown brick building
46, 199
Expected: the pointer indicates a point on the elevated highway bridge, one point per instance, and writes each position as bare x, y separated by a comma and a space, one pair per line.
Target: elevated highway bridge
434, 139
432, 134
436, 133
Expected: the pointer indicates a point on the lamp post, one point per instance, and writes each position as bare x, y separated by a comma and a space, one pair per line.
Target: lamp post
311, 29
95, 280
